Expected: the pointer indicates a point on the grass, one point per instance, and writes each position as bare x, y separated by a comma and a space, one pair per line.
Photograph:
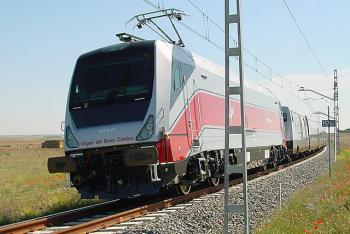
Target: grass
345, 140
28, 190
322, 207
26, 140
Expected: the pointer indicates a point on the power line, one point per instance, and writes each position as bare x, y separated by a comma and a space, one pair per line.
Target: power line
202, 36
306, 40
256, 59
246, 50
255, 69
324, 89
222, 49
246, 64
152, 4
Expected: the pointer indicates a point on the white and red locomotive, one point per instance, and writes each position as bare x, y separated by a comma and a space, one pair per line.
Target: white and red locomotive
147, 115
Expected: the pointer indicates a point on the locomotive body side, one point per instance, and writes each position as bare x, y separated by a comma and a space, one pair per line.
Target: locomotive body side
196, 116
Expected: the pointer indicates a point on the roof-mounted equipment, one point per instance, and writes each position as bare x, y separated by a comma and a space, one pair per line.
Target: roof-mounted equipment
126, 37
148, 19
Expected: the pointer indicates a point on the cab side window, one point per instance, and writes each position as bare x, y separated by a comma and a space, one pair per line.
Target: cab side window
285, 117
177, 77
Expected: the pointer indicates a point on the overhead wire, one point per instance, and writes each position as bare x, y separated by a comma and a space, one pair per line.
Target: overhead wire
257, 60
223, 50
201, 36
255, 69
152, 4
306, 40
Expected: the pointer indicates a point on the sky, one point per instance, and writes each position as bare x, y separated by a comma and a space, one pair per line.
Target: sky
41, 40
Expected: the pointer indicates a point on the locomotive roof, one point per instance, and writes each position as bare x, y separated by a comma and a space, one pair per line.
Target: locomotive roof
217, 69
120, 46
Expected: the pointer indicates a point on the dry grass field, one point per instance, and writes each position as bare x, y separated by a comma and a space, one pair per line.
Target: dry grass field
27, 189
25, 141
344, 140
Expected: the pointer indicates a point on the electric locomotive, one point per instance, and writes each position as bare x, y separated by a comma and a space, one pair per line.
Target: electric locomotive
143, 116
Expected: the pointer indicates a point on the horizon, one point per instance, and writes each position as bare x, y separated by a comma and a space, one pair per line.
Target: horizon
39, 55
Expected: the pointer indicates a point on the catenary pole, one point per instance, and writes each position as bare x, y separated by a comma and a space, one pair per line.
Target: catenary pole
241, 154
336, 111
329, 148
335, 116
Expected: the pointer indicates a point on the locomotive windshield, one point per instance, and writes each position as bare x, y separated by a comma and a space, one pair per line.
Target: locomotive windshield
128, 79
118, 80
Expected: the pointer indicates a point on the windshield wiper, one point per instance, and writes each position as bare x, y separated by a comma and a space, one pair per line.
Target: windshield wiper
125, 82
140, 99
111, 95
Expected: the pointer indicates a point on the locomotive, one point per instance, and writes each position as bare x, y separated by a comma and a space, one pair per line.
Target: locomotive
143, 116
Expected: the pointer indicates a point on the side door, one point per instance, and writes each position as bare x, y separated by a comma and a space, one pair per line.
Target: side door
192, 106
309, 138
301, 133
195, 114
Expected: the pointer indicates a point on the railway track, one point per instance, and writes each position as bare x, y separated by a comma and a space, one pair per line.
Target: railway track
108, 214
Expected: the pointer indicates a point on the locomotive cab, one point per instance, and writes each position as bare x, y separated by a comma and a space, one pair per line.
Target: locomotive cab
115, 121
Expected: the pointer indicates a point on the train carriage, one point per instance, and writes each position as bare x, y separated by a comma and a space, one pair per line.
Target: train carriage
303, 134
315, 135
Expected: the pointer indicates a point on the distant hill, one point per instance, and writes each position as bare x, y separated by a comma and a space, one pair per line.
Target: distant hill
42, 137
11, 140
346, 130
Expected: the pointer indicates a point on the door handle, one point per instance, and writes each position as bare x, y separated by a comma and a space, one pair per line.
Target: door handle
190, 122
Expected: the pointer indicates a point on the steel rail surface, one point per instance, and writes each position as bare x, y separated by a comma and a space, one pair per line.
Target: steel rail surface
54, 219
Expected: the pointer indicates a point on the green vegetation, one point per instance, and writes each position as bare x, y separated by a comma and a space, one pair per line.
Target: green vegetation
346, 130
28, 190
344, 141
323, 207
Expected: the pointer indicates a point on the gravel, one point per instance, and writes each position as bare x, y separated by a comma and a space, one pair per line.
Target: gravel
207, 216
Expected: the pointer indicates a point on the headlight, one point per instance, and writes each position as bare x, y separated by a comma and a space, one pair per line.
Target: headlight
71, 142
147, 130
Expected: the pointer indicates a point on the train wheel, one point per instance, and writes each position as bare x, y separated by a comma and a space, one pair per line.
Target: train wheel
264, 167
183, 189
275, 164
214, 181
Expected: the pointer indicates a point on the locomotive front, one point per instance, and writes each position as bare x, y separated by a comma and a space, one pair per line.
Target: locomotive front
113, 123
